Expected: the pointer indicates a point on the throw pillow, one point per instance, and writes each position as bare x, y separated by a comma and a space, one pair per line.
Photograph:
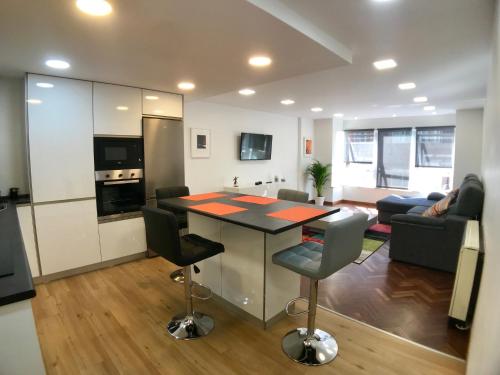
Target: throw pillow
441, 207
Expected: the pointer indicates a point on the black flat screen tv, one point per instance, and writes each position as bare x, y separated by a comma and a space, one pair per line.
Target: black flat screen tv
256, 146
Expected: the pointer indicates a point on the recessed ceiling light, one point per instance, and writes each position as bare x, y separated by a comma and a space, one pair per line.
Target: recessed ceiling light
45, 85
122, 108
316, 109
407, 86
394, 115
385, 64
34, 101
246, 92
338, 115
260, 61
151, 97
429, 108
355, 118
186, 85
434, 113
94, 7
420, 99
287, 101
57, 64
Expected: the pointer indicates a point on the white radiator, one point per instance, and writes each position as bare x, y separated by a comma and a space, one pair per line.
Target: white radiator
466, 272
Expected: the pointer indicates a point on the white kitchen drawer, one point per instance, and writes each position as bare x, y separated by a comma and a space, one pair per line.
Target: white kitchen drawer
122, 238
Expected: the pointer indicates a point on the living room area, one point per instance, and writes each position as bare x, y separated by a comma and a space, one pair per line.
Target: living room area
418, 180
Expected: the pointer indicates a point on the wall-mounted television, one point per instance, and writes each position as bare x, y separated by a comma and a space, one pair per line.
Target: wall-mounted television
256, 146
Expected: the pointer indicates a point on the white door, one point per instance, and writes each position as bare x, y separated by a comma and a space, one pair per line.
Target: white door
68, 235
122, 238
117, 110
157, 103
60, 138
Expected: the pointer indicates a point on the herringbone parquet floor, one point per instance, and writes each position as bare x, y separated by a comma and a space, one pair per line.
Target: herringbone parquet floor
409, 301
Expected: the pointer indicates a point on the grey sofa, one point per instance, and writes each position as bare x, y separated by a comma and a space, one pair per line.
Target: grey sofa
394, 204
435, 242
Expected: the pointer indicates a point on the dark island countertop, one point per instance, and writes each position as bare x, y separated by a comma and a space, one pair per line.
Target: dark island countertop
18, 286
256, 215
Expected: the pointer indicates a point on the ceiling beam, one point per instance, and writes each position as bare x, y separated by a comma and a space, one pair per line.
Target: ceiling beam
277, 9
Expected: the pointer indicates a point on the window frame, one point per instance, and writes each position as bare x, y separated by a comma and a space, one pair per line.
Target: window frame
380, 157
416, 145
346, 154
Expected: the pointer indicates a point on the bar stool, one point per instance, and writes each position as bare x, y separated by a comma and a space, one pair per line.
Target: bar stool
176, 276
162, 236
343, 245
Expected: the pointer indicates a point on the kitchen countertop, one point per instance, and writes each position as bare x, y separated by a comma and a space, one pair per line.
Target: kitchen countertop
255, 216
19, 286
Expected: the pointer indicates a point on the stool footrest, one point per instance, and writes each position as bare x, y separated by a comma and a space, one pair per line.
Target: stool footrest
197, 296
292, 301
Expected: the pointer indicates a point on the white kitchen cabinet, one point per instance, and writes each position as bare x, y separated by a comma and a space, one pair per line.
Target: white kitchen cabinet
117, 110
122, 238
157, 103
28, 233
60, 138
68, 235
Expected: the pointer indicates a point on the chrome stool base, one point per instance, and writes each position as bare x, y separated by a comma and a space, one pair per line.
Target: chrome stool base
177, 276
190, 327
313, 351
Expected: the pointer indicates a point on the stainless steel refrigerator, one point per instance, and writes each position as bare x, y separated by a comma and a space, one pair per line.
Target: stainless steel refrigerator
163, 155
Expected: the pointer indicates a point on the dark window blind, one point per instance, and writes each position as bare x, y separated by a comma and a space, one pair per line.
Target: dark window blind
435, 147
393, 158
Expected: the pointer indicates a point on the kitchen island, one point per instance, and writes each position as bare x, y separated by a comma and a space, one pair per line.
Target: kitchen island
252, 229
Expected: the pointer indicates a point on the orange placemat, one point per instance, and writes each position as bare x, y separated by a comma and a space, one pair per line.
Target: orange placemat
202, 197
216, 208
297, 214
256, 200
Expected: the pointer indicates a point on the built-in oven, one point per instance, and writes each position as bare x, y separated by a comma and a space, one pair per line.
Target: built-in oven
118, 153
119, 191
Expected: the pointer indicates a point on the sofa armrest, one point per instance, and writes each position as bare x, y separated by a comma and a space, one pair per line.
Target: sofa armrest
436, 223
435, 196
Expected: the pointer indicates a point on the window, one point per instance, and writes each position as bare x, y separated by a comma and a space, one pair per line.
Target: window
393, 167
359, 146
435, 147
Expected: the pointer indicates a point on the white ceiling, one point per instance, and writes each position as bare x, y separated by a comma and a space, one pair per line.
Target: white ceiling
157, 43
441, 45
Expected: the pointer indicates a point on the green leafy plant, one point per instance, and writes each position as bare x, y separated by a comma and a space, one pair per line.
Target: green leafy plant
320, 174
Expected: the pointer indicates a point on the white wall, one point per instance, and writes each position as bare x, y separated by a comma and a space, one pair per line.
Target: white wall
226, 123
13, 166
306, 131
483, 357
468, 143
326, 136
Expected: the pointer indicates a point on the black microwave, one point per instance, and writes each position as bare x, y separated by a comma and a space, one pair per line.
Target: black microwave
118, 153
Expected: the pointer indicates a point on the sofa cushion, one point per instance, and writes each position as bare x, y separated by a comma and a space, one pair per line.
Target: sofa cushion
417, 210
441, 207
469, 202
401, 204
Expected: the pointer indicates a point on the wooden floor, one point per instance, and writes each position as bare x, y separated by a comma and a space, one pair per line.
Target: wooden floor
112, 321
409, 301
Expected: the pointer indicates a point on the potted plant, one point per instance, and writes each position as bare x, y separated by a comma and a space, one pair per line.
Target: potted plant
320, 174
